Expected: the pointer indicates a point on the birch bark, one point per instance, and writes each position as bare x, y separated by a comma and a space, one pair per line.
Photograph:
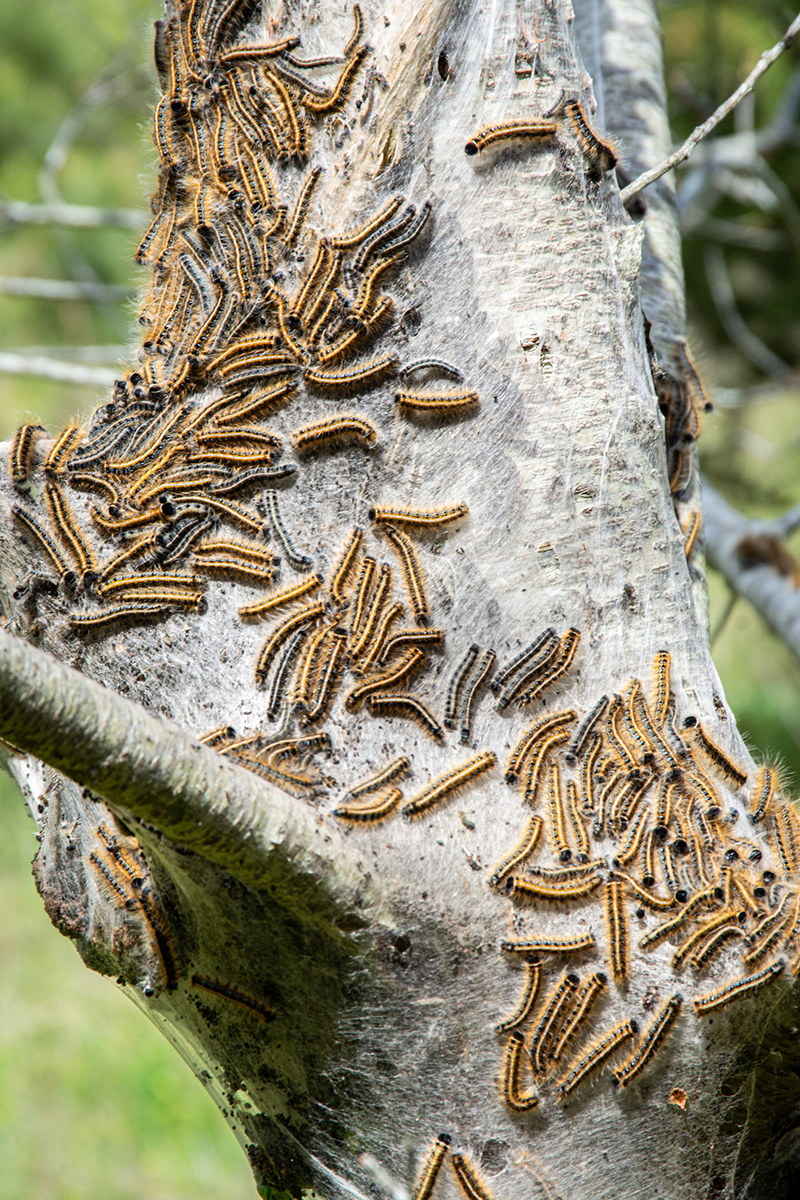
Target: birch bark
336, 985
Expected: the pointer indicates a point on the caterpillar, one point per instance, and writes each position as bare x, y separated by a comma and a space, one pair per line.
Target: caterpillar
542, 132
653, 1037
515, 1099
526, 1001
447, 784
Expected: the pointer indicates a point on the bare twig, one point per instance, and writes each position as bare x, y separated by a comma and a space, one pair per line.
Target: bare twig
702, 131
85, 216
783, 526
63, 289
747, 236
760, 393
724, 616
50, 368
737, 330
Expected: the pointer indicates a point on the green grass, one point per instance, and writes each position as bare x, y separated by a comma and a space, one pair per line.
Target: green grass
94, 1103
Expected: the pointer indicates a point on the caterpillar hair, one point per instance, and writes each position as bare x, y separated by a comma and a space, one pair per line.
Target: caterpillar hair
367, 375
655, 902
407, 665
739, 988
433, 1163
471, 1185
339, 93
283, 674
319, 434
344, 565
349, 241
432, 364
653, 1037
599, 1053
718, 758
228, 991
299, 561
587, 772
383, 806
530, 889
764, 789
62, 449
21, 452
548, 637
584, 1002
396, 768
517, 1100
541, 132
443, 787
309, 584
537, 762
576, 819
593, 146
519, 853
217, 736
617, 929
358, 604
372, 611
408, 707
68, 530
475, 682
414, 637
560, 999
555, 812
121, 614
279, 635
551, 945
411, 573
529, 739
301, 206
425, 518
328, 677
690, 533
526, 1001
578, 747
41, 535
457, 680
530, 668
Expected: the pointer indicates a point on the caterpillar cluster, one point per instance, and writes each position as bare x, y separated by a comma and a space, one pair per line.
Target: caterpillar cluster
626, 810
115, 867
185, 490
682, 400
566, 116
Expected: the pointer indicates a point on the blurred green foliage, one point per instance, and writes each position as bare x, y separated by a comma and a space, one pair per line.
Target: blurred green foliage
750, 448
93, 1102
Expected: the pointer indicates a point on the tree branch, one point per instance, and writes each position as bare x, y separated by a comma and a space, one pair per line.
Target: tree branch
774, 595
678, 156
64, 289
49, 368
154, 770
83, 216
736, 328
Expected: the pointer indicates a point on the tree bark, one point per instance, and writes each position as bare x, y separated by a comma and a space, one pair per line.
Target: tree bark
336, 985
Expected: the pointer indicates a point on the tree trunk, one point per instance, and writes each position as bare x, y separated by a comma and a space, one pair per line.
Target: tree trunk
337, 983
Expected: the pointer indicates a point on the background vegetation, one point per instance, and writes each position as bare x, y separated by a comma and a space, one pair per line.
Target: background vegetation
93, 1102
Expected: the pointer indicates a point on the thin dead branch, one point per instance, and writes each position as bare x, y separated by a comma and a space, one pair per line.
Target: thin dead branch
702, 131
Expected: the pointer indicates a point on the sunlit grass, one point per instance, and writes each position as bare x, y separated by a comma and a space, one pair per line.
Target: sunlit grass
94, 1103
